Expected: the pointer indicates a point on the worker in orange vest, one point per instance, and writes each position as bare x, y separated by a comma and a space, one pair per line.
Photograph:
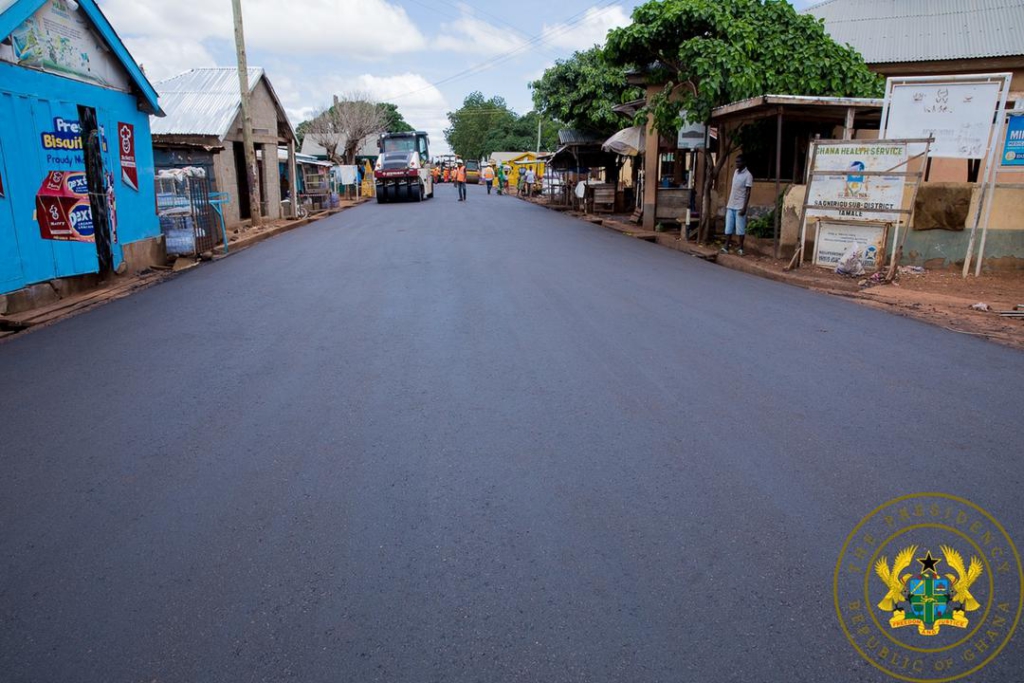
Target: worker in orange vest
460, 181
488, 176
447, 174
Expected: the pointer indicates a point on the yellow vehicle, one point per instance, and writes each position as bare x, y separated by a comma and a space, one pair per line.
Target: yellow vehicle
472, 172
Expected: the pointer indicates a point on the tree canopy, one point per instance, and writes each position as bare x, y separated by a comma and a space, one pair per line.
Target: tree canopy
708, 53
582, 90
712, 52
521, 135
394, 121
482, 126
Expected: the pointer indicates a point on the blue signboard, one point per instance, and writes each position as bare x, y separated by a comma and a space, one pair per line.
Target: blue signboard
1013, 150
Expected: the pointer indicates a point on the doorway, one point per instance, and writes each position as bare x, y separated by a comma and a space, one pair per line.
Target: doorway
94, 176
244, 207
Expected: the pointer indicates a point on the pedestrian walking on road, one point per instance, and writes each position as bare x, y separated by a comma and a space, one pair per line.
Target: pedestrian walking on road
488, 175
736, 209
460, 181
501, 179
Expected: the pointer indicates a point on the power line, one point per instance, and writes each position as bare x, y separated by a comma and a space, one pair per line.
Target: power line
523, 34
566, 26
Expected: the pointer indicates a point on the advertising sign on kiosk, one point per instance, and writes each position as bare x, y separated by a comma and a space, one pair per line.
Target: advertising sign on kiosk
62, 207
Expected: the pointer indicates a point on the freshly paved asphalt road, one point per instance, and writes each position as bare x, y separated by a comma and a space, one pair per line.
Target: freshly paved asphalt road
472, 442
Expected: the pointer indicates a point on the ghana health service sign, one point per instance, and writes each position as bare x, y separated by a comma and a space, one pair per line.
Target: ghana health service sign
844, 185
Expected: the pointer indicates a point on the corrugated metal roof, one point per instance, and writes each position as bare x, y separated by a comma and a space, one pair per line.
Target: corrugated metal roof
504, 157
202, 101
578, 137
887, 31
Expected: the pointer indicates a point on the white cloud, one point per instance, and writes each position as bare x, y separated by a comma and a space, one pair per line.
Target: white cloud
471, 35
339, 27
163, 58
352, 28
590, 30
183, 20
407, 90
421, 103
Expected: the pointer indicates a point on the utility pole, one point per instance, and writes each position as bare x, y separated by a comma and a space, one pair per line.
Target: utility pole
539, 121
252, 172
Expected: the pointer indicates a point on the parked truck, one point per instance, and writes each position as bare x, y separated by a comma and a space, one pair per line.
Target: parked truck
403, 168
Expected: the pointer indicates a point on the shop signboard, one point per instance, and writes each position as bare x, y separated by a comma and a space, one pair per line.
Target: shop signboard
833, 238
1013, 149
62, 207
59, 39
844, 187
126, 147
957, 114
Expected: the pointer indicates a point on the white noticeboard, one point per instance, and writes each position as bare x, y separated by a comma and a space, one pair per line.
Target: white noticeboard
833, 239
958, 114
852, 195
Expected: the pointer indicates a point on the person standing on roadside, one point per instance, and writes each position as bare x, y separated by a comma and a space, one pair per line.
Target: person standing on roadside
531, 178
460, 181
736, 209
488, 174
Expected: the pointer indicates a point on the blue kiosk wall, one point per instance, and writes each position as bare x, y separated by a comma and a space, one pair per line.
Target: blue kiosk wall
34, 103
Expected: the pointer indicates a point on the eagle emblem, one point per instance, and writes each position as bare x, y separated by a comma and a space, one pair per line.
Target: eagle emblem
927, 599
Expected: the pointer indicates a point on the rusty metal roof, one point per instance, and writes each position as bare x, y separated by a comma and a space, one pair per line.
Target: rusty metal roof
568, 136
206, 101
890, 31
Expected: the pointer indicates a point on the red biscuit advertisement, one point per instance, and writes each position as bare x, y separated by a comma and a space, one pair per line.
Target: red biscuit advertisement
126, 144
62, 207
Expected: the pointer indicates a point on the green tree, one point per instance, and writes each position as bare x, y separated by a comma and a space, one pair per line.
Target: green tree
395, 122
522, 135
708, 53
301, 131
582, 90
473, 123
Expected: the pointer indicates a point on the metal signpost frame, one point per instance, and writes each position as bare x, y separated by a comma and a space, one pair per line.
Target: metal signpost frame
1001, 167
945, 137
904, 214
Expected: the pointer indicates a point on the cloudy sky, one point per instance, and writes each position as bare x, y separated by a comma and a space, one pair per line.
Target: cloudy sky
424, 55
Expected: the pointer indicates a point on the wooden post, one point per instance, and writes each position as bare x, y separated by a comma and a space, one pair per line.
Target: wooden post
651, 157
848, 126
252, 172
812, 156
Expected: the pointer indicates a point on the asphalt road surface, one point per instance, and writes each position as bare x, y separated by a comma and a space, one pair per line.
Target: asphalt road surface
472, 442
